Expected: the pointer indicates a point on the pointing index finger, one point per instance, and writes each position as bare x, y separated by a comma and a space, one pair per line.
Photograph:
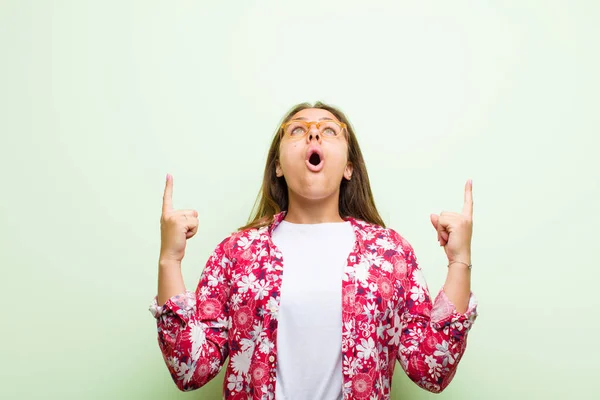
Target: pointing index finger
468, 207
168, 196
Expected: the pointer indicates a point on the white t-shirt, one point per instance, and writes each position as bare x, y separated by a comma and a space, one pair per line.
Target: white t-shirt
309, 333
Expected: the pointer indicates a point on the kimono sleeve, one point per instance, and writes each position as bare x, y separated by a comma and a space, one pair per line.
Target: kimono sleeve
433, 337
193, 326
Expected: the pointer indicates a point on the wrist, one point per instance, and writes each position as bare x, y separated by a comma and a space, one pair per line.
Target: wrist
462, 260
168, 264
459, 265
462, 257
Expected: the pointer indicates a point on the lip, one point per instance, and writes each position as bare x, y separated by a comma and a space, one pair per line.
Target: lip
312, 150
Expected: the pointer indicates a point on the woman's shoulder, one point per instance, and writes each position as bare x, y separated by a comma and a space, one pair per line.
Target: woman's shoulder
242, 240
384, 236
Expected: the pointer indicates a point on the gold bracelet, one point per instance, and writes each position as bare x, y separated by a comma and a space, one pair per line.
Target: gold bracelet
468, 265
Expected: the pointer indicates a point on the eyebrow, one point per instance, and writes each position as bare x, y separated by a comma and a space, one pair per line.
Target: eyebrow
320, 119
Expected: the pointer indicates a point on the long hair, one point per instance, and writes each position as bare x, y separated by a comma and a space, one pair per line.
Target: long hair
356, 198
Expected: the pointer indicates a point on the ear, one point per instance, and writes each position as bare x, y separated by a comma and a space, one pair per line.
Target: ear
278, 170
348, 171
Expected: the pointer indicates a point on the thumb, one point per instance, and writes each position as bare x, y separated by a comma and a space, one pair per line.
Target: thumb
435, 222
441, 229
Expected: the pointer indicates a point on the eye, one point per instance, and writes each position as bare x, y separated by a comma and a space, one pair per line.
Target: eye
296, 131
329, 132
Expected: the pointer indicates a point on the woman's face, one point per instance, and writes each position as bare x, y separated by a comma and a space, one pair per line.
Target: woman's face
296, 157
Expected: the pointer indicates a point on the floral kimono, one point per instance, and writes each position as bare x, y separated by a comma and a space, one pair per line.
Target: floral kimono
387, 315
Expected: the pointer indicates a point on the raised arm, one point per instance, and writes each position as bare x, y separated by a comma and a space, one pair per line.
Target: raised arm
433, 336
192, 326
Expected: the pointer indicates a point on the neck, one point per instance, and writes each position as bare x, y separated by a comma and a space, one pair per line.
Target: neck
304, 211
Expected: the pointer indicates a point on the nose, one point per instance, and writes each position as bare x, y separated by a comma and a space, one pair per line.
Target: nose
313, 132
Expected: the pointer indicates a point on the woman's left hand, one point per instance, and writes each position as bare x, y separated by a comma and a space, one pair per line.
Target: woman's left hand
454, 230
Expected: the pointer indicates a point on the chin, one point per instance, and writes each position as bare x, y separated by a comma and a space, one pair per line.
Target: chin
316, 194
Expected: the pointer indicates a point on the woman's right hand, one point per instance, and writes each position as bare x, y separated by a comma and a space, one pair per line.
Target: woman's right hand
176, 226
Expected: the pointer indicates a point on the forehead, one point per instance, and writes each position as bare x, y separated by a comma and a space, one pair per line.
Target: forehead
314, 114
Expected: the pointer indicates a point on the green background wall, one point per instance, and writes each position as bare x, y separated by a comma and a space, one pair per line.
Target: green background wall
99, 100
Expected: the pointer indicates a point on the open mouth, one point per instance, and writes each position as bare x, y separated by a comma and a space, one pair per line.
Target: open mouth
314, 160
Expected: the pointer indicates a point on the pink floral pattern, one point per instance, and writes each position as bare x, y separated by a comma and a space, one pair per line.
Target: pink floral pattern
387, 315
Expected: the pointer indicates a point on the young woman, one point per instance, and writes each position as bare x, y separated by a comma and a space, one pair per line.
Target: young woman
314, 298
